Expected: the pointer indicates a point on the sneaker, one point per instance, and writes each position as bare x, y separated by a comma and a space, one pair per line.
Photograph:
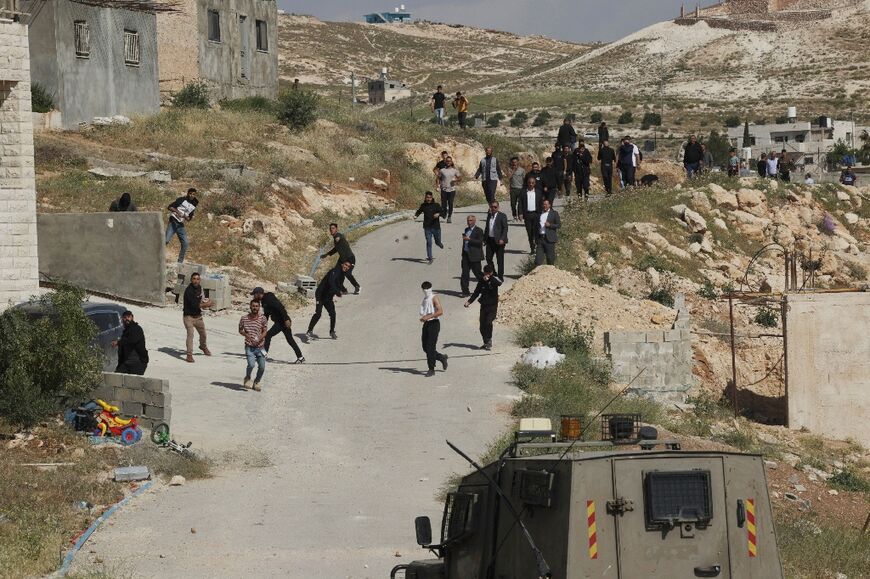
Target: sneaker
449, 220
444, 362
300, 360
205, 350
430, 373
248, 384
430, 261
487, 346
441, 245
189, 358
333, 335
310, 334
356, 291
256, 387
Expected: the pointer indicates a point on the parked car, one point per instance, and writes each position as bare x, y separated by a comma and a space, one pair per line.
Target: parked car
107, 319
590, 136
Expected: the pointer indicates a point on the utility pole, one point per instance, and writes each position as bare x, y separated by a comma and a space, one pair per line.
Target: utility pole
352, 90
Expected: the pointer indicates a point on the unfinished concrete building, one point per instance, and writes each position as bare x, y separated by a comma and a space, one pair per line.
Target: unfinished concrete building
767, 15
232, 45
98, 58
19, 275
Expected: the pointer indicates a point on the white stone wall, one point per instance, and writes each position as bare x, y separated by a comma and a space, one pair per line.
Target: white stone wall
19, 273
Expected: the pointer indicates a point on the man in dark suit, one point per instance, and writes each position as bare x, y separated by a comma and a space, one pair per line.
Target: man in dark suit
546, 228
472, 253
531, 202
496, 235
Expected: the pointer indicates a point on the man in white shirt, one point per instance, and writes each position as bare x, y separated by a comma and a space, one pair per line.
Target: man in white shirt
772, 166
547, 226
496, 235
531, 201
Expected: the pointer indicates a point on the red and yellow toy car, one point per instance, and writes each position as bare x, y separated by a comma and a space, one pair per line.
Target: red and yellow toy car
110, 424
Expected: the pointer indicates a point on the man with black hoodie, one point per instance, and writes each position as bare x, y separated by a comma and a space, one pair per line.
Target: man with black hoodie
582, 162
487, 291
567, 135
629, 159
550, 180
693, 156
273, 309
327, 290
607, 158
132, 354
603, 134
124, 203
431, 212
342, 248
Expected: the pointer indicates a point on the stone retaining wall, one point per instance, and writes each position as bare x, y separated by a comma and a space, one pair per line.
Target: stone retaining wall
146, 398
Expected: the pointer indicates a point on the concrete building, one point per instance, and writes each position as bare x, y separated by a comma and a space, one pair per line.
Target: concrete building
19, 272
230, 44
383, 90
398, 15
97, 59
813, 139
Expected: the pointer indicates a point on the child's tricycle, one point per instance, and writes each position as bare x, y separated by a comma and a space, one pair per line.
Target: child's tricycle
110, 424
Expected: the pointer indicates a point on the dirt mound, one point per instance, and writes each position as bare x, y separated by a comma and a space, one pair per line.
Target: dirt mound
550, 293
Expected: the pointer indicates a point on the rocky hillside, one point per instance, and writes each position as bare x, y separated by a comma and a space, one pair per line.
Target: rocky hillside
421, 54
723, 56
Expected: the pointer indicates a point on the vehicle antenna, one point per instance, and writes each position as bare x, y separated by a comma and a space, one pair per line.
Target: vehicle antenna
543, 568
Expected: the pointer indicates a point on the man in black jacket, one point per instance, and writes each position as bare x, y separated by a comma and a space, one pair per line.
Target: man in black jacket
472, 253
193, 304
563, 161
132, 354
487, 291
582, 163
607, 158
547, 226
496, 235
328, 289
273, 309
603, 134
123, 203
431, 212
550, 179
531, 201
342, 248
693, 156
567, 135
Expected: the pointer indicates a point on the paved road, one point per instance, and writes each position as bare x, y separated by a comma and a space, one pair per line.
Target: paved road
344, 451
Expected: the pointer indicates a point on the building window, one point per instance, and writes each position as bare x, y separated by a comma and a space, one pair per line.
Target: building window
262, 36
214, 26
82, 39
131, 48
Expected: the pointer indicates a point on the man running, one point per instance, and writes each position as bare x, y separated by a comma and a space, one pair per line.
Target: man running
193, 304
253, 327
487, 291
448, 178
328, 289
273, 309
431, 212
437, 104
342, 248
430, 311
181, 212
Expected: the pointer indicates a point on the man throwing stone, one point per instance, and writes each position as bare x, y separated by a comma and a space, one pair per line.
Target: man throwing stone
342, 248
271, 308
253, 327
327, 290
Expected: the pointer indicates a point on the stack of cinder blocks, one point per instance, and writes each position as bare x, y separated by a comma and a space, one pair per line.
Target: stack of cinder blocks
216, 287
664, 355
306, 285
146, 398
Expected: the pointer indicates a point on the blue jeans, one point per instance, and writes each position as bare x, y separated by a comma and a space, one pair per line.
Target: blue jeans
431, 232
692, 168
176, 228
255, 356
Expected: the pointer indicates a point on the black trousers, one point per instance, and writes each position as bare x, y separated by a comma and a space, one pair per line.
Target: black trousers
137, 368
489, 188
515, 202
462, 117
532, 221
628, 175
487, 317
582, 182
565, 184
277, 328
494, 249
545, 250
607, 176
469, 266
550, 194
318, 311
447, 198
431, 329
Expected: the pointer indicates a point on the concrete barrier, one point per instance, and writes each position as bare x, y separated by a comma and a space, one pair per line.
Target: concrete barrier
829, 364
119, 254
146, 398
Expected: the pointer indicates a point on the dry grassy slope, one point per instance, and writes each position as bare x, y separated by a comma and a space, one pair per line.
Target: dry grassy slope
421, 54
825, 59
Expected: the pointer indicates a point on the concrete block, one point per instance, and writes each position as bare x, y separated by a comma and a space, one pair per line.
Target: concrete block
130, 408
655, 337
142, 396
686, 334
162, 414
125, 394
156, 385
103, 393
673, 335
131, 473
113, 380
624, 337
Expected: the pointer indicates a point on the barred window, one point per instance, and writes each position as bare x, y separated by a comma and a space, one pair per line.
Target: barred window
82, 39
214, 26
262, 36
131, 48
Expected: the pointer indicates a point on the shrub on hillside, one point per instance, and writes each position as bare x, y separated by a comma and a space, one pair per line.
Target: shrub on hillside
565, 337
193, 95
495, 120
541, 119
297, 108
519, 119
596, 117
767, 317
41, 101
43, 360
664, 295
651, 119
732, 121
625, 118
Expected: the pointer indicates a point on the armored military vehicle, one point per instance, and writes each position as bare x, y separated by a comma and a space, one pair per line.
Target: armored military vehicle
627, 507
